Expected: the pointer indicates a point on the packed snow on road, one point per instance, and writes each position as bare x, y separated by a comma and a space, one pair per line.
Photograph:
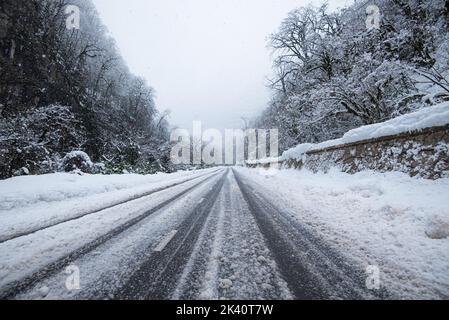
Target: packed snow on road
388, 221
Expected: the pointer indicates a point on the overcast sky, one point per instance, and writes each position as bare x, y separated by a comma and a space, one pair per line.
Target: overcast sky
206, 59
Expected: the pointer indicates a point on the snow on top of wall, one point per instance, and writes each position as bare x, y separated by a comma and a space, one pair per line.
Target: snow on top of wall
78, 154
263, 161
437, 115
434, 116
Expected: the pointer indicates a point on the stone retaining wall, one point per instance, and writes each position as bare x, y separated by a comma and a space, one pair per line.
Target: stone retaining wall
424, 154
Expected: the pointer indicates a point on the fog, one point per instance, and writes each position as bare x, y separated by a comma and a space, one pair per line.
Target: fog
207, 59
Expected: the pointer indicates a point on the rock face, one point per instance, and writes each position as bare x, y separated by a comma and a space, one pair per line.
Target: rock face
424, 154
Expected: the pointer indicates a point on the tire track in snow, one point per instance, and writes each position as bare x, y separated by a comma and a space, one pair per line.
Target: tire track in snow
5, 238
105, 270
15, 287
247, 267
189, 286
157, 277
226, 262
310, 267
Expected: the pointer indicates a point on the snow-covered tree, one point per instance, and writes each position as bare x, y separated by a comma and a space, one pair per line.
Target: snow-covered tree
43, 64
332, 73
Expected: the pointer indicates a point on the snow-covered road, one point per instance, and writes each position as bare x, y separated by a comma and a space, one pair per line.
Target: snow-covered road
221, 233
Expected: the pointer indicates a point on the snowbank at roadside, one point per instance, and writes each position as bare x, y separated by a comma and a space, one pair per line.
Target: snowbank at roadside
263, 161
32, 202
20, 192
393, 221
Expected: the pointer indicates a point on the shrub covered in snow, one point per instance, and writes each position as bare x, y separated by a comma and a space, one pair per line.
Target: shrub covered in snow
438, 228
37, 139
44, 69
22, 172
41, 141
77, 160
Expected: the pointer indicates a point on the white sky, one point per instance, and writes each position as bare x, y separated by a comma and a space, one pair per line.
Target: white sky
206, 59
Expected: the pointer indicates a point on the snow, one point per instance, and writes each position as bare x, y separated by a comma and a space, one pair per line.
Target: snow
31, 202
78, 154
24, 255
263, 161
110, 265
434, 116
298, 151
44, 291
390, 220
231, 260
225, 283
20, 192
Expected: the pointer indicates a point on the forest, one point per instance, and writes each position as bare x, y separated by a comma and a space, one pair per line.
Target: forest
67, 98
334, 73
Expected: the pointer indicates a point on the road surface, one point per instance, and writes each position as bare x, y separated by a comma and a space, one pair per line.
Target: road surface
212, 236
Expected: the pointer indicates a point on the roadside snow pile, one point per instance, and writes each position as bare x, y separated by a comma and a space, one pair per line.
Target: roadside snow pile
389, 220
434, 116
263, 161
20, 192
298, 151
30, 203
